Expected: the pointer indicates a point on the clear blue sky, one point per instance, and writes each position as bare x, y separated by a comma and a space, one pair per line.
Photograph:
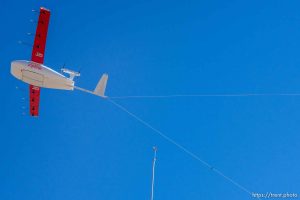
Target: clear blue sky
82, 147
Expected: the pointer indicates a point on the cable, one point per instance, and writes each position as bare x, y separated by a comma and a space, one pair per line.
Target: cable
181, 147
204, 95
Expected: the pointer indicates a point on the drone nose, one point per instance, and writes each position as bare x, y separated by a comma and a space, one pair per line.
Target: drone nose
14, 63
17, 63
16, 67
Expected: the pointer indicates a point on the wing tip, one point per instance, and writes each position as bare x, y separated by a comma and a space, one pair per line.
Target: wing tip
45, 9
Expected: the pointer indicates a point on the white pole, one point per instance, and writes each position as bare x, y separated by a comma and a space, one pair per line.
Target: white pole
153, 173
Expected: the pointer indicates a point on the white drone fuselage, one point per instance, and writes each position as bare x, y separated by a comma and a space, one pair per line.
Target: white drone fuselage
40, 75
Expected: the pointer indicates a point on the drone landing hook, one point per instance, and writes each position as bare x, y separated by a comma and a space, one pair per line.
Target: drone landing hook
72, 73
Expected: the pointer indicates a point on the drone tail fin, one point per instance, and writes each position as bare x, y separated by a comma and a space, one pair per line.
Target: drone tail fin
101, 86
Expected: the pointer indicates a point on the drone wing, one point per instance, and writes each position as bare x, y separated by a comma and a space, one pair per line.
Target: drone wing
38, 51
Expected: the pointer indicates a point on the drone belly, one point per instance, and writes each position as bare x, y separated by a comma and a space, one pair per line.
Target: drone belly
33, 78
55, 80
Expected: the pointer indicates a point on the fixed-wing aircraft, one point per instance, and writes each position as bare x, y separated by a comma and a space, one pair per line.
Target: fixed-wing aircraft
40, 76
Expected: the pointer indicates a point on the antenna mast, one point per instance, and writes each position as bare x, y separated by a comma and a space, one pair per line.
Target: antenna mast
153, 172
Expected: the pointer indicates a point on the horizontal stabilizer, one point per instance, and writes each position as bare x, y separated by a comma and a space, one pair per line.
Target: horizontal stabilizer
101, 86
